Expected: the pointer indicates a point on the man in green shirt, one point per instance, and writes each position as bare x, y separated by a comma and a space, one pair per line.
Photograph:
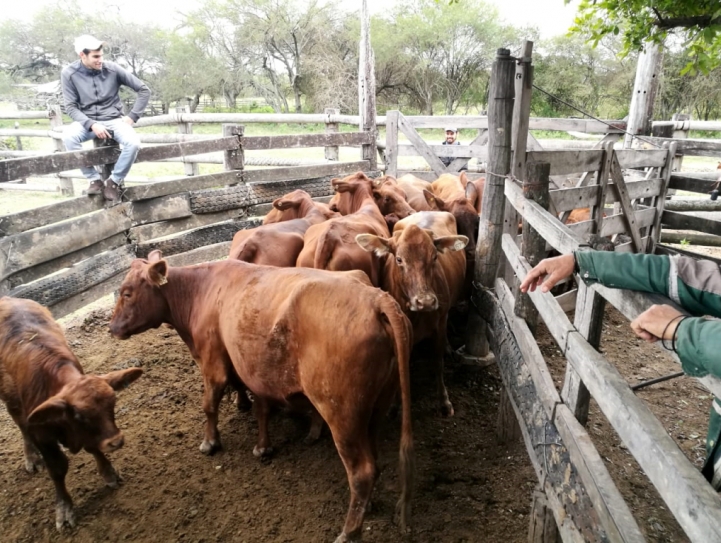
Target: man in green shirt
693, 284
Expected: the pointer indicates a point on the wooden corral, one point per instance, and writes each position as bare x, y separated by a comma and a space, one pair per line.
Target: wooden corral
574, 485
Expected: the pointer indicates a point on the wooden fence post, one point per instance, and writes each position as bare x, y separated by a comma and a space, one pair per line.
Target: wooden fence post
191, 168
648, 70
331, 152
19, 145
235, 158
488, 249
367, 89
535, 187
391, 153
56, 123
542, 526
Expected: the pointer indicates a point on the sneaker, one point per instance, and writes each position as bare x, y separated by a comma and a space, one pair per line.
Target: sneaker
113, 192
96, 187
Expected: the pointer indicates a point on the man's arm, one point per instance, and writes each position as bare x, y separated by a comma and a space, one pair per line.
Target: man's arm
72, 101
698, 344
142, 90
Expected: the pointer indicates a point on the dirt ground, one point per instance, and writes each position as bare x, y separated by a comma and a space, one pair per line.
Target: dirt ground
468, 488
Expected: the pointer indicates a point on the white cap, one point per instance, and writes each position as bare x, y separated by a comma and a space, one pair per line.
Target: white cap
451, 129
86, 41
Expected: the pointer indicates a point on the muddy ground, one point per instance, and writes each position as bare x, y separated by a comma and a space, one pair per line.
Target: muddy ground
468, 488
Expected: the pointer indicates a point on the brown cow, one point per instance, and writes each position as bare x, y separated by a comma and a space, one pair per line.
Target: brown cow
457, 196
291, 335
414, 188
296, 205
280, 243
53, 402
424, 270
331, 245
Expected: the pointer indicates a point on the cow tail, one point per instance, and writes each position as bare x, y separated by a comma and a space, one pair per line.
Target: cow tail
402, 334
324, 249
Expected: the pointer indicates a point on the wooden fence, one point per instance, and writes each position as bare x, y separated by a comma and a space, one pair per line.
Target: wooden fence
71, 253
575, 492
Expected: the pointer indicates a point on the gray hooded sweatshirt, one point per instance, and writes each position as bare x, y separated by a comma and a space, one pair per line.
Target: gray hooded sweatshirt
92, 95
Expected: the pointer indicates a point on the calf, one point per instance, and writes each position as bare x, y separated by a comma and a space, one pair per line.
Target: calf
331, 245
415, 190
280, 243
291, 335
52, 401
423, 270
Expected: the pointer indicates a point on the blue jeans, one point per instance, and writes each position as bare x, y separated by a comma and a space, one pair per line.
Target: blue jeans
75, 134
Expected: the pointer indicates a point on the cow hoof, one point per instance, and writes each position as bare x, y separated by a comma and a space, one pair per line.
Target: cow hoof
209, 447
447, 409
64, 516
33, 464
345, 538
311, 438
260, 452
112, 479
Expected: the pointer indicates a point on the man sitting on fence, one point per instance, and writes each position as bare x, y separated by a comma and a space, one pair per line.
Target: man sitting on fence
451, 134
90, 89
693, 284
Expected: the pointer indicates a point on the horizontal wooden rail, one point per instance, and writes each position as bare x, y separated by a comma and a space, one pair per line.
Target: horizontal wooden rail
25, 115
690, 498
615, 224
454, 151
690, 146
247, 118
250, 143
690, 125
565, 162
682, 221
694, 182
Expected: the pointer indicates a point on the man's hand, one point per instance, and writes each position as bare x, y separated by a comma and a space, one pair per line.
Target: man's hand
100, 131
555, 268
652, 323
128, 120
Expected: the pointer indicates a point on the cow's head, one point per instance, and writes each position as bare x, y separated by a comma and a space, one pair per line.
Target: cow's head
352, 193
464, 211
82, 414
141, 305
390, 197
413, 255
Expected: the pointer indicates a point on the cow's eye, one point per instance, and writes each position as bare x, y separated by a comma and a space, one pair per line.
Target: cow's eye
435, 257
126, 295
399, 260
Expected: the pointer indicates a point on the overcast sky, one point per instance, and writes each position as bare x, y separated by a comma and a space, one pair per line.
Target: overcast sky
552, 17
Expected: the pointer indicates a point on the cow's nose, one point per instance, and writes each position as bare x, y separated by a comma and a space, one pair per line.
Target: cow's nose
424, 302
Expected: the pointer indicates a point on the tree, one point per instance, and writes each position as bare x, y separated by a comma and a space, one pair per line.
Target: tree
698, 22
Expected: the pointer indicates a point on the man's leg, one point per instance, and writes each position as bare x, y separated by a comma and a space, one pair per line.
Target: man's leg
125, 135
73, 138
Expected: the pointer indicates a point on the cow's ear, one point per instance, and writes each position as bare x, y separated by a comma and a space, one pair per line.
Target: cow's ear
155, 255
281, 203
378, 181
463, 178
373, 244
122, 379
51, 411
450, 243
471, 193
158, 273
340, 185
434, 201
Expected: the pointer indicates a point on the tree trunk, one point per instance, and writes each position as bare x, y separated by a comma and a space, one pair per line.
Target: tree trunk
195, 101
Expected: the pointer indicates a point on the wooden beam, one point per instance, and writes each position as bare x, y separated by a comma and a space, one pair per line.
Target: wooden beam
691, 147
692, 501
576, 198
421, 146
392, 147
522, 110
628, 211
42, 216
693, 182
682, 221
252, 143
641, 158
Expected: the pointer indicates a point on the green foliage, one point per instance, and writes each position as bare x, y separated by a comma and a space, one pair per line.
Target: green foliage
684, 242
698, 22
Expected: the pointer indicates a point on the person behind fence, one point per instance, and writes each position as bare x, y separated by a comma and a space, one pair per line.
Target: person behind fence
91, 93
451, 135
695, 285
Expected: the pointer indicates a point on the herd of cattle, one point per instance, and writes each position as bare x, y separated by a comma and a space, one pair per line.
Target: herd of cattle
318, 309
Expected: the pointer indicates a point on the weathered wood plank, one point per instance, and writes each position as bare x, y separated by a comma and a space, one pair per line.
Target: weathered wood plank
251, 143
522, 110
175, 206
421, 146
576, 125
575, 198
293, 173
693, 205
691, 500
70, 160
682, 221
565, 162
139, 234
182, 184
692, 183
42, 216
641, 158
34, 273
442, 121
216, 251
691, 147
455, 151
28, 249
431, 176
628, 212
233, 159
393, 150
615, 224
567, 300
574, 513
706, 240
660, 201
78, 278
